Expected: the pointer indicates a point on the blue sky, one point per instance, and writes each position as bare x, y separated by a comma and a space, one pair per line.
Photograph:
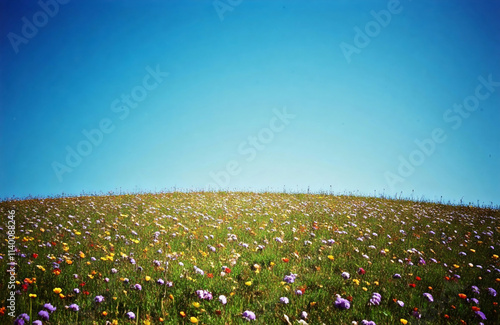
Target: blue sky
251, 95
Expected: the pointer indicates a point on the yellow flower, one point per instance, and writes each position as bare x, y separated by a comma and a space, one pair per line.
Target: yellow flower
356, 281
57, 290
473, 250
330, 257
69, 262
41, 268
147, 278
375, 283
495, 256
272, 263
82, 255
248, 283
32, 295
193, 320
105, 313
456, 266
171, 297
183, 314
365, 288
403, 321
147, 322
196, 304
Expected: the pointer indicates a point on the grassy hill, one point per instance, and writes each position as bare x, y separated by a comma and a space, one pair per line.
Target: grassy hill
221, 258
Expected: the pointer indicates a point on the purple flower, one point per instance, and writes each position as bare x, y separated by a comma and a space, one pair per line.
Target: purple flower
37, 322
223, 299
480, 314
99, 299
429, 297
160, 281
375, 299
43, 314
21, 319
113, 270
303, 315
492, 292
204, 294
298, 292
284, 300
130, 315
290, 278
342, 303
475, 290
138, 287
345, 275
74, 307
400, 303
365, 322
49, 307
397, 276
76, 290
248, 315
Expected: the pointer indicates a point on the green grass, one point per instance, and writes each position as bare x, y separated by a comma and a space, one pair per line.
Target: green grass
80, 235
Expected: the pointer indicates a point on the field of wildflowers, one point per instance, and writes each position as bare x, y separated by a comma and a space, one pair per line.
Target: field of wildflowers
237, 258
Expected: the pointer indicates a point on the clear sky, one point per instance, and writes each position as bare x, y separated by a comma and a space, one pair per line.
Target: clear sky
363, 96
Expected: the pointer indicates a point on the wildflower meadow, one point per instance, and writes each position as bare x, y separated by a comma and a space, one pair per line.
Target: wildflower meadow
238, 258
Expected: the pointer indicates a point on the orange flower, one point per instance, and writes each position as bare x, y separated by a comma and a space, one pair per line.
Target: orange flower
183, 314
462, 296
210, 275
476, 308
446, 316
284, 259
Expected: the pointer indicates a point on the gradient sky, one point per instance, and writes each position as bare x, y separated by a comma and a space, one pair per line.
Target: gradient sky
356, 116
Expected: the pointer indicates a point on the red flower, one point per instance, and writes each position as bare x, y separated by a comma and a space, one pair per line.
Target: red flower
35, 255
218, 312
86, 292
284, 259
82, 284
413, 285
418, 278
24, 287
210, 275
227, 270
